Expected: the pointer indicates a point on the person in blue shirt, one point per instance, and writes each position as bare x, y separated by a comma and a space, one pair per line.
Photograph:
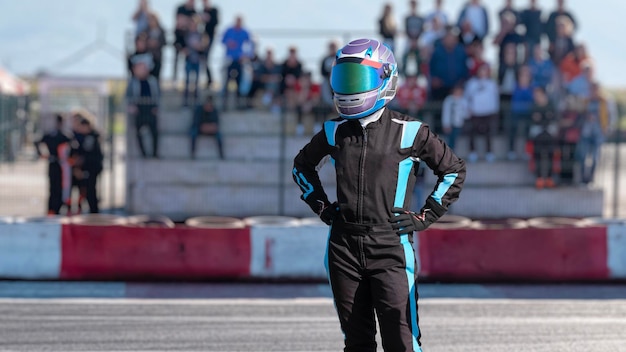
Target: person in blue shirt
448, 66
237, 43
541, 67
521, 106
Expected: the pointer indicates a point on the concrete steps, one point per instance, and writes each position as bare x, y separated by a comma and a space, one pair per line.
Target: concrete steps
248, 181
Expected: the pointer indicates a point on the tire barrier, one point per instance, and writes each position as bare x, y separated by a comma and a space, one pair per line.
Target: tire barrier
594, 221
50, 219
555, 222
274, 247
312, 221
448, 221
98, 219
215, 222
499, 224
150, 221
277, 221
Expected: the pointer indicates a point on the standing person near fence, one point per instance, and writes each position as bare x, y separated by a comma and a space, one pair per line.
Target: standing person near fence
543, 134
235, 39
483, 98
89, 161
59, 168
210, 18
142, 96
454, 113
376, 152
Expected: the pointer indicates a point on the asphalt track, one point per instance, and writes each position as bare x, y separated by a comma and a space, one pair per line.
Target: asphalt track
53, 316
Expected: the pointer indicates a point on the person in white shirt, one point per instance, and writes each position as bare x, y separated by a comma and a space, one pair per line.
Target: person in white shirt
483, 99
455, 111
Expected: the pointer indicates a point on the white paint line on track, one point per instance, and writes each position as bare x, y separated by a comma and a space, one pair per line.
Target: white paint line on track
283, 301
174, 319
174, 301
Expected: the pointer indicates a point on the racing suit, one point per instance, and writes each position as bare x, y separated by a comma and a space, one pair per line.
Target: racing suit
370, 267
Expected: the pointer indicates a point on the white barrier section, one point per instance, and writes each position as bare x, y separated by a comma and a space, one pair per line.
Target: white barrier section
30, 250
616, 261
288, 251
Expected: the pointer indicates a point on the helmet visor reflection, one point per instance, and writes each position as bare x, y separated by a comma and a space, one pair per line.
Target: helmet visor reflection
352, 77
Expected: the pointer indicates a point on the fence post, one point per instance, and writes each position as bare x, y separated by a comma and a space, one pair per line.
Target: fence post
616, 178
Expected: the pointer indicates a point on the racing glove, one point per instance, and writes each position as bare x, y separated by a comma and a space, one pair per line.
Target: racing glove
329, 213
406, 221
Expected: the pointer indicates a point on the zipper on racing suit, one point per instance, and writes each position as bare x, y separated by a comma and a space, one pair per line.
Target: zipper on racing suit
361, 186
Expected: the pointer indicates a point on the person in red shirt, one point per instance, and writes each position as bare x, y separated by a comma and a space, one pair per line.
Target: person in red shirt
411, 96
307, 97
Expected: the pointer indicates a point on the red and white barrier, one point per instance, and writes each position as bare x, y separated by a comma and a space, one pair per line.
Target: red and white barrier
290, 248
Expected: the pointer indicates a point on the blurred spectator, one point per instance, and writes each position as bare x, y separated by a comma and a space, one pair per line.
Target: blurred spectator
507, 36
530, 18
267, 79
411, 96
437, 14
413, 27
570, 121
475, 58
155, 43
521, 106
413, 22
195, 44
447, 66
467, 36
412, 59
387, 26
431, 35
572, 64
563, 42
206, 123
291, 72
140, 17
542, 68
455, 111
143, 95
551, 26
210, 18
59, 169
592, 134
307, 96
580, 86
508, 9
481, 92
325, 67
507, 73
88, 161
184, 16
141, 53
237, 42
543, 134
474, 12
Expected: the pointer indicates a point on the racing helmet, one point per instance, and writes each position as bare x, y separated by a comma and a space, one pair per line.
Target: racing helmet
363, 78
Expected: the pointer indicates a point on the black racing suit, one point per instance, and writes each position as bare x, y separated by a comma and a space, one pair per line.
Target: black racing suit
59, 172
370, 267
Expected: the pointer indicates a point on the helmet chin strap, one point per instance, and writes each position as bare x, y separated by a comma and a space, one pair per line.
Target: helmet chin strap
364, 121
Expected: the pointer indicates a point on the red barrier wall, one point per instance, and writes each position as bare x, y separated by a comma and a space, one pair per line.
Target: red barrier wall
557, 254
120, 252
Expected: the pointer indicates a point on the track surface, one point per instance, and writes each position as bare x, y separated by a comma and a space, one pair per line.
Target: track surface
261, 317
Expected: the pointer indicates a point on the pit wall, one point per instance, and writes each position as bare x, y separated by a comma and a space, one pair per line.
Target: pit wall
284, 248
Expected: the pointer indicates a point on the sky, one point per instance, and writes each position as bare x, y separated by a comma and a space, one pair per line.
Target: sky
87, 37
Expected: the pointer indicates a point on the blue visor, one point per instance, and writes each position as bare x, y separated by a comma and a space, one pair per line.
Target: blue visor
351, 76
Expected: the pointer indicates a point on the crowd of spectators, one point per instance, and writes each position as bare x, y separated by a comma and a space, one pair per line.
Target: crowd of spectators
539, 87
